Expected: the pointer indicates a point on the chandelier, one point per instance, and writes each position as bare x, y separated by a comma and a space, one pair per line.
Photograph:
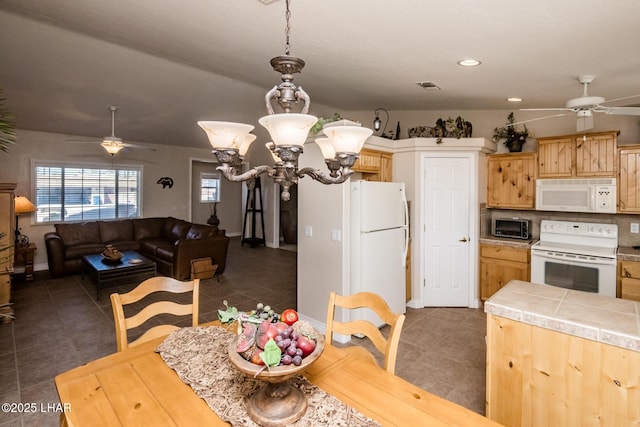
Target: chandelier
289, 131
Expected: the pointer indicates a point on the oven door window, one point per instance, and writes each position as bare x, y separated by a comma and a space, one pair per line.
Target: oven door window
576, 277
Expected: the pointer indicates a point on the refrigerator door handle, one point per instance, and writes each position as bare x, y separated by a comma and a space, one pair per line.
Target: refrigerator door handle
406, 246
406, 230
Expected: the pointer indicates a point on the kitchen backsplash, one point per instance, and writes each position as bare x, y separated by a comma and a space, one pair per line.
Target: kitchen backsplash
625, 237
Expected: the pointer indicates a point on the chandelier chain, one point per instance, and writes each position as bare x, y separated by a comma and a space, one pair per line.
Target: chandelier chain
287, 29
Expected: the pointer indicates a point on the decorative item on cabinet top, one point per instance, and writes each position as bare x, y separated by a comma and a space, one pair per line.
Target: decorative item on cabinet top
450, 128
513, 137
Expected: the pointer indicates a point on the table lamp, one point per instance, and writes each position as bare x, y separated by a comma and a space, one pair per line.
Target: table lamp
22, 205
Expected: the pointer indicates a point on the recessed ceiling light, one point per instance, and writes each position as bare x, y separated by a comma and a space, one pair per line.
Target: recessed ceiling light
469, 62
514, 99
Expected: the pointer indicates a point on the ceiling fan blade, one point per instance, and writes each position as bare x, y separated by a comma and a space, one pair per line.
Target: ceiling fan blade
537, 118
625, 111
621, 99
136, 146
546, 109
584, 123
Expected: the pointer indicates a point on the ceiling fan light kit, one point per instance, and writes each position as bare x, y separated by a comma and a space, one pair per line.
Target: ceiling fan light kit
289, 132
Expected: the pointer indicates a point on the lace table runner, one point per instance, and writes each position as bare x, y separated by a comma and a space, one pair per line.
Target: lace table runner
199, 357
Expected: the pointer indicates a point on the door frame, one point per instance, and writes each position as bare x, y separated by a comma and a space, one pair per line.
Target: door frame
474, 221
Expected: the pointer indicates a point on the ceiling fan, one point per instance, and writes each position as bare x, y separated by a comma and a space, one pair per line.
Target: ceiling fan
586, 105
112, 144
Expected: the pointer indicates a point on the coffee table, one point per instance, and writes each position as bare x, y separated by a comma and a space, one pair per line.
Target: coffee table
132, 268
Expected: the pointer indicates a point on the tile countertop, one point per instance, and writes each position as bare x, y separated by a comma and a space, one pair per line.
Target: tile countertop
627, 253
608, 320
511, 243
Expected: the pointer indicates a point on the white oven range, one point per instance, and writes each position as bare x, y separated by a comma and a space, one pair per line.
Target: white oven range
576, 255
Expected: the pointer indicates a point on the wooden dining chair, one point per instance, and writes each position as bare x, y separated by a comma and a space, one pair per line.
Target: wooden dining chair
387, 346
147, 287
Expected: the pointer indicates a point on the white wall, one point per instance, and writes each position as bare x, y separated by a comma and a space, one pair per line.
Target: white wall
322, 262
171, 161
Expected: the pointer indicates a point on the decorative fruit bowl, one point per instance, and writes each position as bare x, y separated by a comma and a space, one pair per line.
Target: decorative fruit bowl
111, 254
278, 403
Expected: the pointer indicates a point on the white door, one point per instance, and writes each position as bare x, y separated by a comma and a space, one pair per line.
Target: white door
447, 262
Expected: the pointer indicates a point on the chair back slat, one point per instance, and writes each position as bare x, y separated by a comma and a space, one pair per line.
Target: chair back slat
144, 289
367, 300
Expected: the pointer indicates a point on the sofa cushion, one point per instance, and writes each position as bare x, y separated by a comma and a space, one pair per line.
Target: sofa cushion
175, 229
79, 233
149, 246
78, 251
112, 231
165, 251
146, 228
201, 231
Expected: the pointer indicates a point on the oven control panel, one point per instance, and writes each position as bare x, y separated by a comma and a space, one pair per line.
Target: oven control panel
579, 228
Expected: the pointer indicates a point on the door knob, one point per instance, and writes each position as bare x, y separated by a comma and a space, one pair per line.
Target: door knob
464, 239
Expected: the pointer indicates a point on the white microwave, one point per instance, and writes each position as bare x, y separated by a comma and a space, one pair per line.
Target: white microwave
597, 195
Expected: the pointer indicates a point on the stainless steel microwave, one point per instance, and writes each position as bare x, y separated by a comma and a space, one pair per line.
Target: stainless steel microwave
513, 228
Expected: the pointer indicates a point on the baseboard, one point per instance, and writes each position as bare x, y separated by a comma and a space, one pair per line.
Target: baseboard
414, 303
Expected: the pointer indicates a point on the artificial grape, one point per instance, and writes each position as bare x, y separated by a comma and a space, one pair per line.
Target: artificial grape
287, 342
286, 333
297, 360
294, 336
299, 352
278, 338
266, 308
271, 312
259, 306
286, 360
291, 351
264, 315
280, 345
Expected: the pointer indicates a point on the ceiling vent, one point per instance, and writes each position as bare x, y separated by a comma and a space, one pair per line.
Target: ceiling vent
428, 85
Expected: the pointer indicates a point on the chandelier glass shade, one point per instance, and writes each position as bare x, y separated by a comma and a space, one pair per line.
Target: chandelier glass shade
289, 132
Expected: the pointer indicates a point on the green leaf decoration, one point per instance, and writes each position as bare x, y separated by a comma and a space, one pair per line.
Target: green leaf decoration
229, 315
271, 354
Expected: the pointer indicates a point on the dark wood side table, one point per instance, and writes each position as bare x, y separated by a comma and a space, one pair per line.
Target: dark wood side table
23, 261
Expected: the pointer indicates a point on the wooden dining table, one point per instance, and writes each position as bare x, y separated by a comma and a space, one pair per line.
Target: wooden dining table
136, 388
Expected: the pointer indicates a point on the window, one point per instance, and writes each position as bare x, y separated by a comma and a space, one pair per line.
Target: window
66, 193
209, 187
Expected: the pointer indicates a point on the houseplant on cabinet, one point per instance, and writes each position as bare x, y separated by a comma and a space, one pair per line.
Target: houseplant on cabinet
514, 138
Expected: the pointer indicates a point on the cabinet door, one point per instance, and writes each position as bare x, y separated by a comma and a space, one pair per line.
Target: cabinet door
499, 265
596, 155
629, 180
511, 181
495, 273
386, 168
368, 161
555, 158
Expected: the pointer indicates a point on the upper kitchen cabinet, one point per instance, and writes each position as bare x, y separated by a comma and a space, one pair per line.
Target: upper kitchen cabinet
511, 181
629, 179
581, 155
374, 165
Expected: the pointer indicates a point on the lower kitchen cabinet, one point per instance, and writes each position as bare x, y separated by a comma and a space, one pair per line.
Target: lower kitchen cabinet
629, 280
501, 264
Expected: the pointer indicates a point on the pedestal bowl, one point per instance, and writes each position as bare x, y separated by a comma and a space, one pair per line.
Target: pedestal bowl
277, 403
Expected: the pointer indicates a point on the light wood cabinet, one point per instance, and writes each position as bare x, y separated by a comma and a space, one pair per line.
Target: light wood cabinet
581, 155
499, 265
511, 181
629, 280
629, 179
374, 165
7, 218
541, 377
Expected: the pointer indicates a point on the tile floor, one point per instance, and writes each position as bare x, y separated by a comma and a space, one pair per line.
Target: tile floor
59, 325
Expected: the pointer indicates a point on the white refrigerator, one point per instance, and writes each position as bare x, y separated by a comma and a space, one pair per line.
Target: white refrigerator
379, 241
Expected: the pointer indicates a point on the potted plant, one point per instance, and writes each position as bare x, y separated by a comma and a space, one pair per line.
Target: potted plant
7, 128
513, 136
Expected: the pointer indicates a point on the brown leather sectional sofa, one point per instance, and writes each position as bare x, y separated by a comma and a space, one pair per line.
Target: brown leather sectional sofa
171, 243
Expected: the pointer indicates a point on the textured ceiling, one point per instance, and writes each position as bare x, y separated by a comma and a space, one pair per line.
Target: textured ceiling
167, 64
